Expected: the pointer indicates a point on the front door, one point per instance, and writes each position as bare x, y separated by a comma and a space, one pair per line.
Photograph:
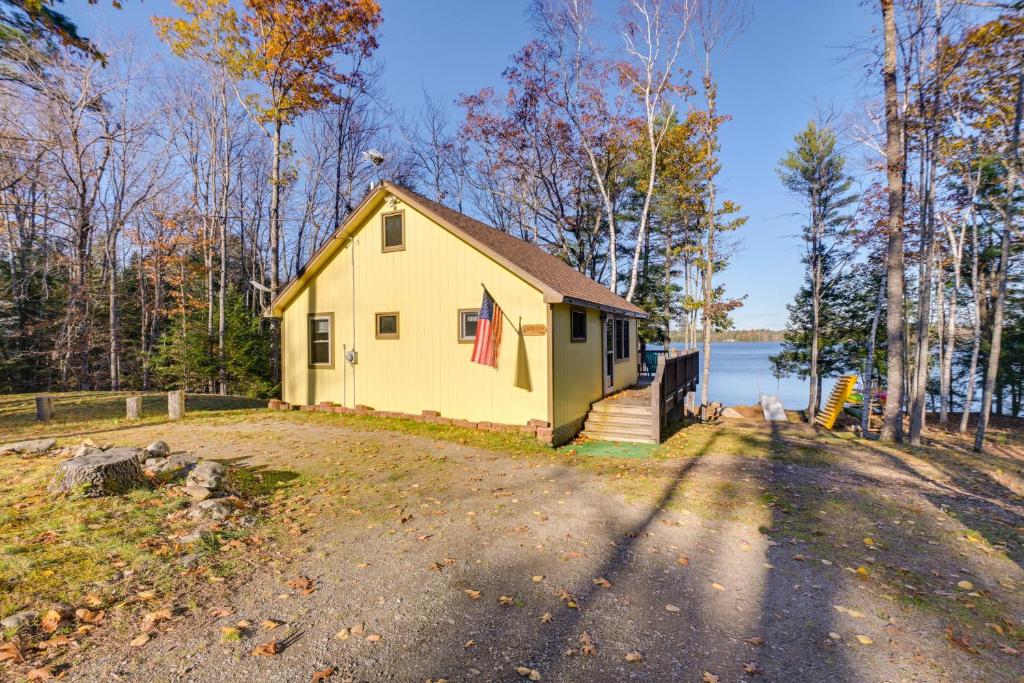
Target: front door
609, 353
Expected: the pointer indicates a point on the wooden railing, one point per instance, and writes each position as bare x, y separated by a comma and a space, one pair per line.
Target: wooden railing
676, 376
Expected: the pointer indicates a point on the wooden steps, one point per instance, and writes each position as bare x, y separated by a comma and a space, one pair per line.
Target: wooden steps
828, 415
620, 417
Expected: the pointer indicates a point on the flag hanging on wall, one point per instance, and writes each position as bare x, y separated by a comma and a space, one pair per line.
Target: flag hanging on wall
488, 333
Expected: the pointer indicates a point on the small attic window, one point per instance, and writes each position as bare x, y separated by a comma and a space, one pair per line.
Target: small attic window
393, 231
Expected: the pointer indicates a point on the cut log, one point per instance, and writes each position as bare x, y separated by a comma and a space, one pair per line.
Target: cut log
133, 407
111, 472
44, 408
175, 405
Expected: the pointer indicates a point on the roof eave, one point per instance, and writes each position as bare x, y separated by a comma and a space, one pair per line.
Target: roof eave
603, 307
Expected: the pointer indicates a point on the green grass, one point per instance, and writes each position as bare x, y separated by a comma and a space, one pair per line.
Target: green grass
77, 413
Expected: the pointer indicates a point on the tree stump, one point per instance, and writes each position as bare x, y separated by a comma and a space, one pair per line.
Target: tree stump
175, 405
111, 472
133, 407
44, 408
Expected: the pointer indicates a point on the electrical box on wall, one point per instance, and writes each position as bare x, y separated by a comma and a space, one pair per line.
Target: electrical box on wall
351, 357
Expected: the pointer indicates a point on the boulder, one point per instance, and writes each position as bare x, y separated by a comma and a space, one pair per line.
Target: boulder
84, 449
19, 619
209, 509
114, 472
158, 449
207, 474
33, 447
198, 493
171, 467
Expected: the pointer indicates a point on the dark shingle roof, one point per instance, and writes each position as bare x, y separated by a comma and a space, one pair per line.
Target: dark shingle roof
536, 263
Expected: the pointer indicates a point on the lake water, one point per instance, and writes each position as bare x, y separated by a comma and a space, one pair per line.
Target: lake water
740, 371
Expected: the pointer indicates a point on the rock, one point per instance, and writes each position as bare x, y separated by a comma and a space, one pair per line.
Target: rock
189, 561
171, 467
111, 472
33, 447
19, 619
193, 537
210, 509
85, 449
207, 474
158, 449
198, 493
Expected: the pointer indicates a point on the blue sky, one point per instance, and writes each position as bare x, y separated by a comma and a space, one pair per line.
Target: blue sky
793, 59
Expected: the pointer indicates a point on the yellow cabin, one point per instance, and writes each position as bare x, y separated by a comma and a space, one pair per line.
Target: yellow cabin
384, 315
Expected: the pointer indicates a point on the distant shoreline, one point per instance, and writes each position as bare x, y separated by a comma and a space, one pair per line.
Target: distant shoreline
762, 335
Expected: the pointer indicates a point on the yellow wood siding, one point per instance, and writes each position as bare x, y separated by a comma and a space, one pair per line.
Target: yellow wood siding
426, 368
578, 366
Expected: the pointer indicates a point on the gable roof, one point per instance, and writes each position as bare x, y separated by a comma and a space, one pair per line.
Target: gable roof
557, 280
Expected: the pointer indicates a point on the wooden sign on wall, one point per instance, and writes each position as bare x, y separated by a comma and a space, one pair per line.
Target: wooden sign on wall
535, 330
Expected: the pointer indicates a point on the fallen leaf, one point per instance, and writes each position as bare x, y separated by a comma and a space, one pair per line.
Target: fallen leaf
51, 621
93, 600
323, 675
718, 586
546, 618
43, 673
602, 582
270, 624
474, 595
709, 677
12, 651
682, 561
151, 619
374, 638
139, 640
302, 583
671, 608
588, 647
506, 600
966, 585
88, 616
756, 641
634, 657
752, 668
864, 640
266, 649
468, 644
527, 672
1007, 650
538, 578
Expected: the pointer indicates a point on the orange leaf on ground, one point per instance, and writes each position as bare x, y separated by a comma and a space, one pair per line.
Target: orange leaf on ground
266, 649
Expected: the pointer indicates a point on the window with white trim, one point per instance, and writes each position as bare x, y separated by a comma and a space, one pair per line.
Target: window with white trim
320, 351
468, 318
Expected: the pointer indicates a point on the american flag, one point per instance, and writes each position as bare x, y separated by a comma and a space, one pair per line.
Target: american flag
488, 333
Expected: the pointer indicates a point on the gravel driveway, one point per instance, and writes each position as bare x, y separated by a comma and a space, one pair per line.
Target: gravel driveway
446, 562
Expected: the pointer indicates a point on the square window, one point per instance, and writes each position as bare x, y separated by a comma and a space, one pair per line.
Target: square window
467, 324
387, 326
320, 328
393, 231
578, 320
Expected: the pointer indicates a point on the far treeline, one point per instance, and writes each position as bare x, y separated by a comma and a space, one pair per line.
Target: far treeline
739, 336
152, 206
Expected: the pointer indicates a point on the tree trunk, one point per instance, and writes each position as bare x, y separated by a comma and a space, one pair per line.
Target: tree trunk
892, 422
869, 362
975, 331
1007, 210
